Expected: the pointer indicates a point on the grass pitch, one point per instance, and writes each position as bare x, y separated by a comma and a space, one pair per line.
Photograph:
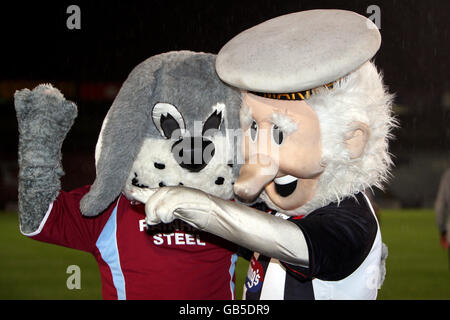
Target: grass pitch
417, 267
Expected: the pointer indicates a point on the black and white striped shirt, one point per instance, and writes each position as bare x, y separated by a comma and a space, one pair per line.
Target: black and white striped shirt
344, 244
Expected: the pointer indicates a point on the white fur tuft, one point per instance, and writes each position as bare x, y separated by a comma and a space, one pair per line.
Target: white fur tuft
286, 124
245, 115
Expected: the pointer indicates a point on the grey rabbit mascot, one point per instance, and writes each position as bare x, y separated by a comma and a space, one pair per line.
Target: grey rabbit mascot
171, 108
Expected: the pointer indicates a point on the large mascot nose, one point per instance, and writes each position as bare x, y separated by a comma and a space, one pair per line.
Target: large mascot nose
193, 153
254, 175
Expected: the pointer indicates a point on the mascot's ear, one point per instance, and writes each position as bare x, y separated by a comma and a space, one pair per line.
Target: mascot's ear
356, 139
121, 137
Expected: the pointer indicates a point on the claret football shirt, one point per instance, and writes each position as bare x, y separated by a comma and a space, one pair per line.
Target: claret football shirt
173, 261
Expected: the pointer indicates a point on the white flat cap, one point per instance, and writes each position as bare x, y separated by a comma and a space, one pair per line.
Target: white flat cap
298, 51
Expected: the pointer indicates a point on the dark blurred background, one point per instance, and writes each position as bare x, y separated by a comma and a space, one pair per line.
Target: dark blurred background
88, 65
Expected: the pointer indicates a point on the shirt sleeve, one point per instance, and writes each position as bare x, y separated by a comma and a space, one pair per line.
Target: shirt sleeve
65, 225
338, 239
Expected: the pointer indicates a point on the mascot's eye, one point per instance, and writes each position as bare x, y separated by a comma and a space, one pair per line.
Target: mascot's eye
213, 122
168, 125
253, 130
277, 135
168, 120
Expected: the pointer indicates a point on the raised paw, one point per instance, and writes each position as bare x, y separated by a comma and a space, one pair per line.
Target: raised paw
44, 103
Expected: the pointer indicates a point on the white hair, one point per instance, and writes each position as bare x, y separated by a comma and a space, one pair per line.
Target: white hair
286, 124
359, 96
245, 116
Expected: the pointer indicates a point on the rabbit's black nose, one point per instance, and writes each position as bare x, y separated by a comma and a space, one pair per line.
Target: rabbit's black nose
193, 153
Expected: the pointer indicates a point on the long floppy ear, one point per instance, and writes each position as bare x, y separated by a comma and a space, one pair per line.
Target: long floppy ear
122, 137
356, 139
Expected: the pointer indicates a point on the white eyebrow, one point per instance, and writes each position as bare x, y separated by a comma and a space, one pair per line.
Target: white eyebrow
245, 116
219, 107
286, 124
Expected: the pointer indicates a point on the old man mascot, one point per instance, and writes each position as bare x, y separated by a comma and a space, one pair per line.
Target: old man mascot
316, 120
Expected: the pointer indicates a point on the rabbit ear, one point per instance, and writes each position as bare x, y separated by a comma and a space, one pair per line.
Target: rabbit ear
121, 137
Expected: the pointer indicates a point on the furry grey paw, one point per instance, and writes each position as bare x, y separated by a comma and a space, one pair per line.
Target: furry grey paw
44, 118
44, 103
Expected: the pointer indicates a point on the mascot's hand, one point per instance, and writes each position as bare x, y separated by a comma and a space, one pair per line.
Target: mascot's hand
169, 203
43, 113
248, 227
44, 117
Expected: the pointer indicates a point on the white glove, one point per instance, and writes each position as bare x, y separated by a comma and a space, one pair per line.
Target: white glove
248, 227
